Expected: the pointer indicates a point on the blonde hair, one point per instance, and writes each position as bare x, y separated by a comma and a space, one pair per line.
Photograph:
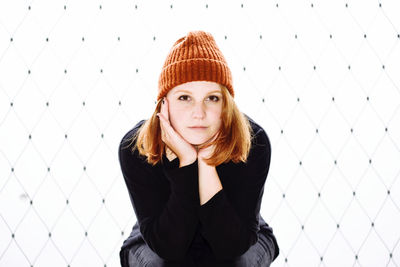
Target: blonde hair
232, 143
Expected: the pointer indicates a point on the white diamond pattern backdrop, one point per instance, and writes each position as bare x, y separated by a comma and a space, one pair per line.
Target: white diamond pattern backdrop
322, 78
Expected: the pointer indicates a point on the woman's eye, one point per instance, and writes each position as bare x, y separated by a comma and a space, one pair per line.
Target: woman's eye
184, 97
214, 98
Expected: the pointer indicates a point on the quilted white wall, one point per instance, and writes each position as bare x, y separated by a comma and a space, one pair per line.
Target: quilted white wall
322, 78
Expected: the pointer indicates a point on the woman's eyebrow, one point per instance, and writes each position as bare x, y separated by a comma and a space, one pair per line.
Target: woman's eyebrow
188, 92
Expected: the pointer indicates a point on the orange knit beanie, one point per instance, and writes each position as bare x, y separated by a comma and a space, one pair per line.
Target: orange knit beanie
195, 57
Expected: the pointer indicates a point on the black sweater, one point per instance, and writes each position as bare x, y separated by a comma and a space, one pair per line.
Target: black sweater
170, 218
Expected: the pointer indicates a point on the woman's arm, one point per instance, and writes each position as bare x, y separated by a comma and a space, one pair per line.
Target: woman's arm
209, 183
166, 207
230, 218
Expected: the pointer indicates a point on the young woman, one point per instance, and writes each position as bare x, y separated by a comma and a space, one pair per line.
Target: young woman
195, 171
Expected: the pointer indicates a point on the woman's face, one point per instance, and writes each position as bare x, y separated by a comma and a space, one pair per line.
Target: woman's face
195, 110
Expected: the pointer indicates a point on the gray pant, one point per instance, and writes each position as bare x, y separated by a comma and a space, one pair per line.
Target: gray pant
259, 255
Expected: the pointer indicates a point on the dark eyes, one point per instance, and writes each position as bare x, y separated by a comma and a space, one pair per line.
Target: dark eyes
184, 97
212, 98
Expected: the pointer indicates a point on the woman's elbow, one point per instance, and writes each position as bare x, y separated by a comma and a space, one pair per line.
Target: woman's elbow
229, 254
171, 255
167, 246
232, 250
170, 252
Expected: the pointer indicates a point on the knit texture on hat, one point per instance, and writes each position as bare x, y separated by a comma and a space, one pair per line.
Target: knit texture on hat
195, 57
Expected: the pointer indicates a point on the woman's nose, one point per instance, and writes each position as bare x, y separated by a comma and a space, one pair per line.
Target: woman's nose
198, 111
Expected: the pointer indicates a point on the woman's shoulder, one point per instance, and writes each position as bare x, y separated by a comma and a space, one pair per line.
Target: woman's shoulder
127, 139
259, 135
125, 150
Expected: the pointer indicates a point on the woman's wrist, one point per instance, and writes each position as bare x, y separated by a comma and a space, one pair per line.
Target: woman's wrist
184, 161
170, 155
209, 182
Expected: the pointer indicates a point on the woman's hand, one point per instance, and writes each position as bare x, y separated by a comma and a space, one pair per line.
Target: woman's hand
186, 153
205, 151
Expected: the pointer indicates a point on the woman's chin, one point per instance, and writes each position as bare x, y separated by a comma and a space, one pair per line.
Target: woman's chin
197, 141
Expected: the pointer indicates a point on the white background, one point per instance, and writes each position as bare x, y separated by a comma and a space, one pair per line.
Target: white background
321, 77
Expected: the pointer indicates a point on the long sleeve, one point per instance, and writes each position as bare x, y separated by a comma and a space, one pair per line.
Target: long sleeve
165, 200
230, 219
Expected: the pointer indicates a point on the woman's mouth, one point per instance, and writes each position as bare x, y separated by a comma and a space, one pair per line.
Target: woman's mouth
198, 127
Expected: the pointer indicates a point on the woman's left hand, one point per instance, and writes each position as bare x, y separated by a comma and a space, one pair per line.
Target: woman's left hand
205, 151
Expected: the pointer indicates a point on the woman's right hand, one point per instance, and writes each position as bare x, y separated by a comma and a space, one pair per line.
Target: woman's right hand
186, 152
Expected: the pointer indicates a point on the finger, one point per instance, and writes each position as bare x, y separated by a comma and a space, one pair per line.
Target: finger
166, 128
165, 108
209, 142
163, 121
162, 125
164, 118
162, 107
